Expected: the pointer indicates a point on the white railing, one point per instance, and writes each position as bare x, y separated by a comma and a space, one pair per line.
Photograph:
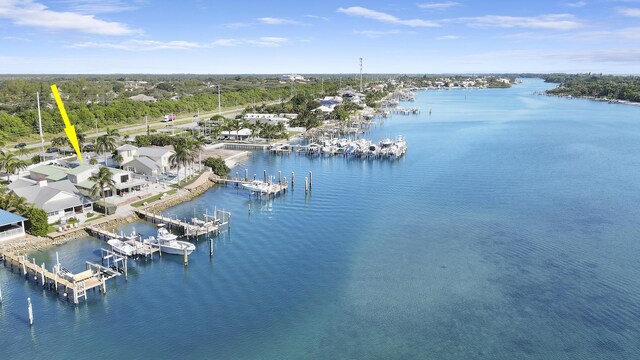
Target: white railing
11, 233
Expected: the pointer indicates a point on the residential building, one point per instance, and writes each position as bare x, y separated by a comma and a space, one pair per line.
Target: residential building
266, 119
59, 199
139, 160
242, 134
331, 101
11, 226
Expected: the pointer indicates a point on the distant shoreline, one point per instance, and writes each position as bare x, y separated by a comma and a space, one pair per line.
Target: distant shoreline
593, 98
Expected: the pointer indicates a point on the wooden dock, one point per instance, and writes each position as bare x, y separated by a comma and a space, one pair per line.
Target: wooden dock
270, 189
75, 285
211, 224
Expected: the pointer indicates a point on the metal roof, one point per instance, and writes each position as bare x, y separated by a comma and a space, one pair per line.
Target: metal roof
7, 218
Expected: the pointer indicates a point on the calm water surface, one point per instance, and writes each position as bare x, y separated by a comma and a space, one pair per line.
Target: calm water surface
509, 230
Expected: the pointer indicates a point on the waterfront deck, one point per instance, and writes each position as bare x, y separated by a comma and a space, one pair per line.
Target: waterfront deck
273, 189
211, 224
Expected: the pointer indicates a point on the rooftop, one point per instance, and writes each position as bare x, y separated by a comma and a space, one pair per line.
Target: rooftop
7, 218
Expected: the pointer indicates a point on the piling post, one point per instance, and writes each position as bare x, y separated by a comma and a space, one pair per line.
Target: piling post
0, 296
210, 247
292, 179
126, 274
42, 280
246, 174
279, 177
55, 280
30, 311
254, 177
264, 175
104, 288
306, 185
186, 257
310, 179
24, 267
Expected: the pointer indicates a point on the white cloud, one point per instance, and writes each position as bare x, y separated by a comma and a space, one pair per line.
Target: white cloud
439, 6
632, 12
226, 42
621, 55
268, 41
376, 34
16, 38
448, 37
317, 17
631, 33
141, 45
387, 18
277, 21
550, 22
29, 13
153, 45
577, 4
97, 6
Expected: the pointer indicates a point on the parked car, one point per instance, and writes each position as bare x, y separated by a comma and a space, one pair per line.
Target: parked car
20, 145
207, 141
52, 150
89, 147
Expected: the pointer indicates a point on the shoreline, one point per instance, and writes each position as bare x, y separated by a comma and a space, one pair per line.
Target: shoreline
593, 98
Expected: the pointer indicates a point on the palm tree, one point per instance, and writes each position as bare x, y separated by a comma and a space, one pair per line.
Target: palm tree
61, 142
7, 160
102, 179
106, 143
198, 144
181, 157
18, 165
118, 159
14, 203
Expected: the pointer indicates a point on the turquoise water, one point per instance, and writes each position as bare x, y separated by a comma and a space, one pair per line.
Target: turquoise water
508, 231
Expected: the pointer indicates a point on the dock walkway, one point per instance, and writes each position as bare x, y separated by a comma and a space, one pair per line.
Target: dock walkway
77, 284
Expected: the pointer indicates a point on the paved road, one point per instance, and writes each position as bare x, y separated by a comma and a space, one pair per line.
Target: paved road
143, 127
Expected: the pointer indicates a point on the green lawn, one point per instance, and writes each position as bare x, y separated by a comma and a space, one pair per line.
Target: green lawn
152, 198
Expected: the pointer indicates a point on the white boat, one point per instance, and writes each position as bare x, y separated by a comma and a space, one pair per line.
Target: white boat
169, 244
122, 247
256, 186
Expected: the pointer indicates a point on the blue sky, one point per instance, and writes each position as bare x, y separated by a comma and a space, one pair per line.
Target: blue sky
198, 36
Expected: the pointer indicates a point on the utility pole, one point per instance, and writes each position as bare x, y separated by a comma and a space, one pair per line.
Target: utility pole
40, 124
219, 99
361, 75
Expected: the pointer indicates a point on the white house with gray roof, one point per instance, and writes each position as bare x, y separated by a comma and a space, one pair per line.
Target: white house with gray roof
59, 199
139, 159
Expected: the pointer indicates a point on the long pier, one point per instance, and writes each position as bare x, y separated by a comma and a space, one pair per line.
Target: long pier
268, 189
56, 280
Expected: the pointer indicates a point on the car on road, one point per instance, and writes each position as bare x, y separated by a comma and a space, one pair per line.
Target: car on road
51, 150
207, 141
20, 145
195, 116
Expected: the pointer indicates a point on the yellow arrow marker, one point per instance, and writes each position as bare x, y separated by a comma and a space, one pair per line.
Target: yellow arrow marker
68, 128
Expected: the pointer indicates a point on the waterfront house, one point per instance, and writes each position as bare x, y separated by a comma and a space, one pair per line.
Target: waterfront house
59, 199
124, 181
139, 160
242, 134
11, 226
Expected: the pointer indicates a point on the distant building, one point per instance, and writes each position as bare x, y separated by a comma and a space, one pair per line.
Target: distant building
292, 77
331, 101
266, 119
242, 134
143, 98
11, 226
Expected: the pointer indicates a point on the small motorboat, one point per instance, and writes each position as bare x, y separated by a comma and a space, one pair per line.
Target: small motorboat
169, 244
122, 247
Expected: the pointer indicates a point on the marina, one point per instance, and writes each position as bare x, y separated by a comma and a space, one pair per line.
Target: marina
473, 246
